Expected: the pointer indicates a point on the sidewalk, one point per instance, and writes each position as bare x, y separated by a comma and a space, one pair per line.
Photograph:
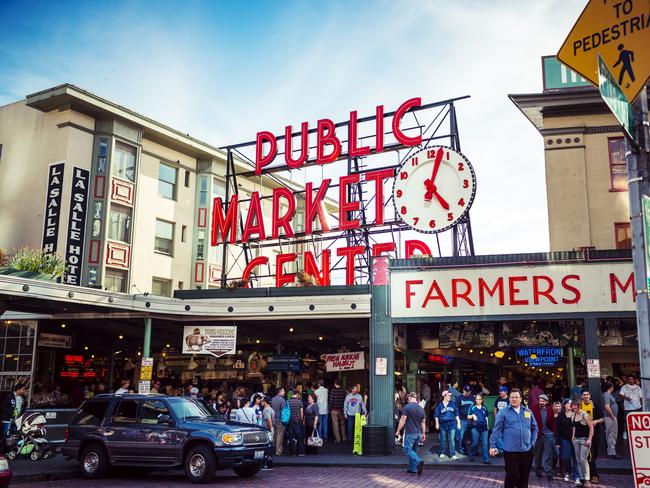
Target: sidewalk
330, 455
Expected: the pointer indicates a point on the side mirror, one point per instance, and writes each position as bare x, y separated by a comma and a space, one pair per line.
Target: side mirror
165, 419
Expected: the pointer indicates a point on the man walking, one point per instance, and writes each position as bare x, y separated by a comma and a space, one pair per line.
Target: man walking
277, 404
517, 427
351, 407
336, 400
546, 438
413, 422
610, 408
295, 431
465, 402
322, 400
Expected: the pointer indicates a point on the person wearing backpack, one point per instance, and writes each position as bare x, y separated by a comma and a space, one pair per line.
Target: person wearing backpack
278, 404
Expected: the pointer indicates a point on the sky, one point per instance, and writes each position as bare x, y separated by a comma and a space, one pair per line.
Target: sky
222, 71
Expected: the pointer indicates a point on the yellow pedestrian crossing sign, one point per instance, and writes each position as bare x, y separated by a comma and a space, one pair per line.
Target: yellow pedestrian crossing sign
618, 30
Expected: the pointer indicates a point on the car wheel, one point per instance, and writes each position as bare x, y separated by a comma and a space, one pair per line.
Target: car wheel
94, 462
200, 464
247, 470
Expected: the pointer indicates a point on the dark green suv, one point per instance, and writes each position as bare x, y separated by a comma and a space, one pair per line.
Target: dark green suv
159, 431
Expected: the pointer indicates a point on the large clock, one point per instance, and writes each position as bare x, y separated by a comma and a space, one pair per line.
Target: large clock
434, 189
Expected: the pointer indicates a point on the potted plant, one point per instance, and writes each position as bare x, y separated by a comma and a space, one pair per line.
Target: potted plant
34, 264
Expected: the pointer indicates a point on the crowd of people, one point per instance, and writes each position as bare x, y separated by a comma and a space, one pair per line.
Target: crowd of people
550, 428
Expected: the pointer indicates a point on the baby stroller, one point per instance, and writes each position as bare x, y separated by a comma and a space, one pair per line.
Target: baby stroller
29, 439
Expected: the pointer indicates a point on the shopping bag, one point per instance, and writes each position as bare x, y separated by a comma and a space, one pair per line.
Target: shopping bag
315, 441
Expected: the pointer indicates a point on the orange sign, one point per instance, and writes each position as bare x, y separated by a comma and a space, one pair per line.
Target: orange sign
618, 31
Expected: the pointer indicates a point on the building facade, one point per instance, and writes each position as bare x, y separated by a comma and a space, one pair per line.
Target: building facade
127, 200
584, 154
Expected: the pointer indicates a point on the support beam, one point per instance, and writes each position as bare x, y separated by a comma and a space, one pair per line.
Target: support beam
146, 348
381, 346
591, 352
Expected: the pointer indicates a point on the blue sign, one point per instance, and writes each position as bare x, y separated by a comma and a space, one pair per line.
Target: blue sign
541, 356
283, 363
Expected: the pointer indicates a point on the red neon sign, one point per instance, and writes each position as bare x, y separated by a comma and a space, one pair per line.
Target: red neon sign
225, 215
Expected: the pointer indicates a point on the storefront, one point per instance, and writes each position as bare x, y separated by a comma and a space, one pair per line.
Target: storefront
555, 316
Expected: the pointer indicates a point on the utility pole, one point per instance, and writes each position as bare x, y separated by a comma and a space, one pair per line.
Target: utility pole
638, 167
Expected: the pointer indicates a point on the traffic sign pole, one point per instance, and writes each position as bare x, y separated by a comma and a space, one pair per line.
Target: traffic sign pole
638, 167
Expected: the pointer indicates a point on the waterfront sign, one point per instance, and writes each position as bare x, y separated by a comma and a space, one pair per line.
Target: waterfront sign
540, 356
508, 290
613, 96
214, 340
620, 32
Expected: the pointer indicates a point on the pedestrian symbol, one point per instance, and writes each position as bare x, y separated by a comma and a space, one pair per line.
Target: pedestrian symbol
626, 58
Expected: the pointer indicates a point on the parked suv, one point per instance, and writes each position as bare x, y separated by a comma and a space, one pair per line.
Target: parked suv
159, 431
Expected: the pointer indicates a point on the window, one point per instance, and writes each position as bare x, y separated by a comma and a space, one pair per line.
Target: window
187, 179
184, 233
126, 412
115, 280
167, 181
91, 413
203, 194
200, 245
119, 226
151, 410
164, 237
180, 285
617, 164
623, 236
161, 287
124, 161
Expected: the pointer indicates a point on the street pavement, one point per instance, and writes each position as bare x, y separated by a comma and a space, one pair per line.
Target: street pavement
299, 477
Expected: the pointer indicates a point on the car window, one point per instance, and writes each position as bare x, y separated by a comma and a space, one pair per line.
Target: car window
91, 413
186, 407
126, 412
152, 410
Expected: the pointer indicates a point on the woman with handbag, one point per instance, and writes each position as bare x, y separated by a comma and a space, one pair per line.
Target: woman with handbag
314, 441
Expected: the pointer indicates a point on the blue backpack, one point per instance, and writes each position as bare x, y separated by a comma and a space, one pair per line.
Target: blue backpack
285, 415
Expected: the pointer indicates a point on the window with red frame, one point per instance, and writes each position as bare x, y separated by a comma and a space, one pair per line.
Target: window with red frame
623, 236
617, 163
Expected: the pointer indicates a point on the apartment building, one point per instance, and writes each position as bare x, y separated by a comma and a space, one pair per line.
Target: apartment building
125, 199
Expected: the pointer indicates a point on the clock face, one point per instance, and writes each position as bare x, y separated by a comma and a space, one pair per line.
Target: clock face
434, 189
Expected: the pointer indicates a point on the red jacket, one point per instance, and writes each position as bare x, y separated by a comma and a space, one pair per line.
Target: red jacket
550, 419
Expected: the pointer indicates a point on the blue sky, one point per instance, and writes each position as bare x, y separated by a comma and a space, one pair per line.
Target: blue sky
222, 71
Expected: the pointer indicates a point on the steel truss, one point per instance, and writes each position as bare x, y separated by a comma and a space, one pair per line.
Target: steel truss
435, 122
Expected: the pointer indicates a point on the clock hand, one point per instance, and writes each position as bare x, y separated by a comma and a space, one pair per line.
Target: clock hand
442, 201
429, 183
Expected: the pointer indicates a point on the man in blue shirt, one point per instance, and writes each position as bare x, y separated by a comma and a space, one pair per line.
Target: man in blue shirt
517, 427
464, 401
414, 423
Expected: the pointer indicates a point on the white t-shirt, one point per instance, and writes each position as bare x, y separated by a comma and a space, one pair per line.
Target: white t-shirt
121, 391
246, 415
321, 399
635, 395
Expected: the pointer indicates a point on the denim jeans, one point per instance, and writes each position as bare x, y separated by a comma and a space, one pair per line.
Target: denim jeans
483, 436
568, 455
448, 437
460, 435
322, 426
544, 454
411, 443
350, 422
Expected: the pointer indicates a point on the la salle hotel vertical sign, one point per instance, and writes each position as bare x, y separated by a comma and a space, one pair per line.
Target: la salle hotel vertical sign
53, 206
76, 226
